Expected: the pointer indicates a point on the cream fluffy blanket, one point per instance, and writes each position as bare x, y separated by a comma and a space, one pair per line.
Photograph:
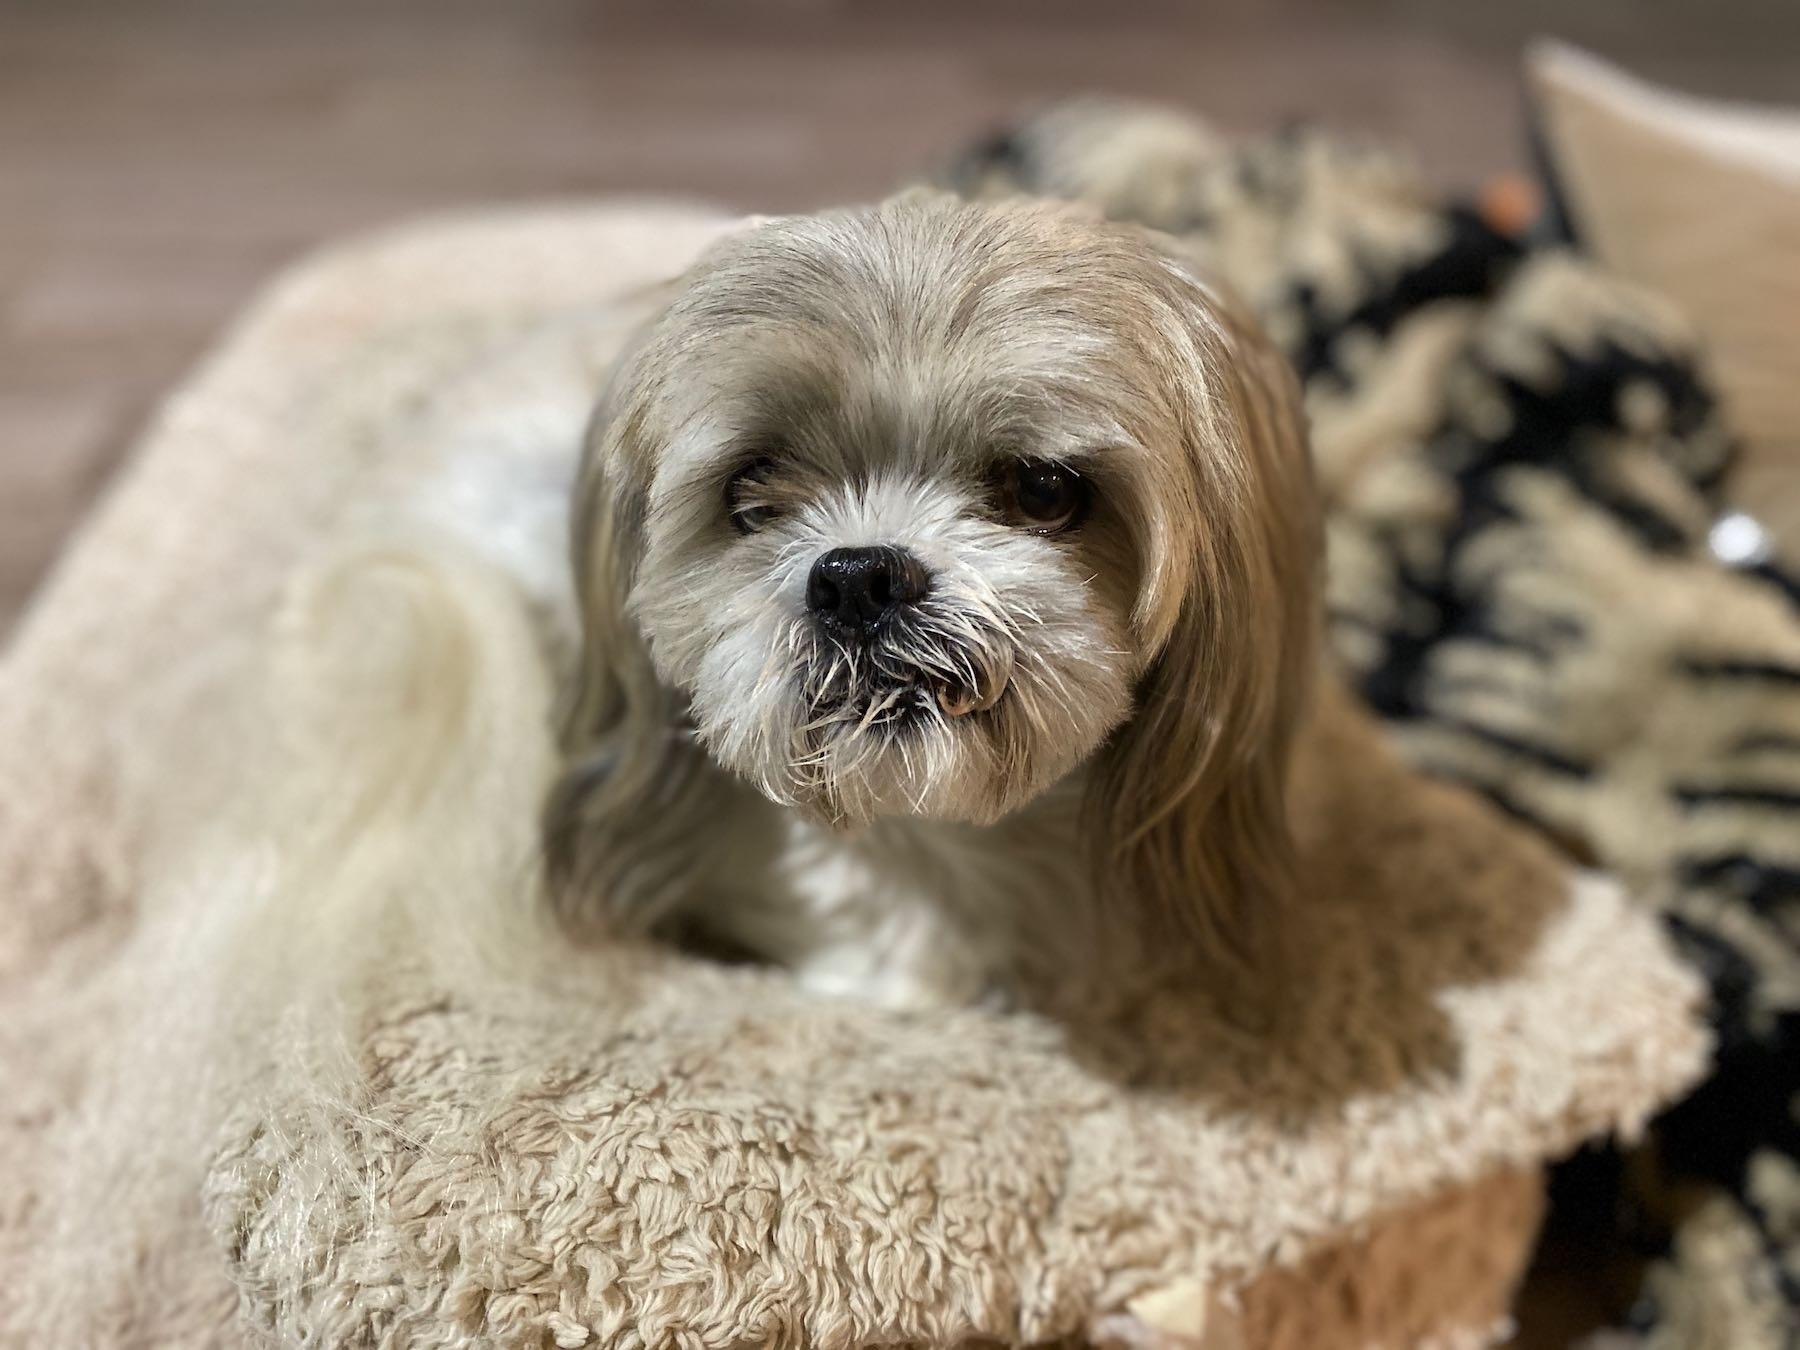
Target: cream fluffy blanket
313, 1072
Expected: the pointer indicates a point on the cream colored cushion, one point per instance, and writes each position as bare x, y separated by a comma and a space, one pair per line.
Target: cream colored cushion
1701, 201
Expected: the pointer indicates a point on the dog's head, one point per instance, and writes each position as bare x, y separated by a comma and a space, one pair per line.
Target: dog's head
914, 509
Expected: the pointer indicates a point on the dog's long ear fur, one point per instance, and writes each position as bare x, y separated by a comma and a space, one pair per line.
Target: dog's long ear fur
1191, 792
622, 823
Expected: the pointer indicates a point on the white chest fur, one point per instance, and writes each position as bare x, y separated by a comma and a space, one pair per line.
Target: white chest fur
906, 912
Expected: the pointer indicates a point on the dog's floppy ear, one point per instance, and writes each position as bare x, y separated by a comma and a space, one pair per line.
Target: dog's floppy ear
619, 822
1192, 790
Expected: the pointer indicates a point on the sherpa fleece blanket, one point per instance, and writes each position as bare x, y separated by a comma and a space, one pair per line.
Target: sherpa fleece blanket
1542, 577
309, 1069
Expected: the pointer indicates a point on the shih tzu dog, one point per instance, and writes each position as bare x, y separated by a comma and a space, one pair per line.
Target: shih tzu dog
947, 576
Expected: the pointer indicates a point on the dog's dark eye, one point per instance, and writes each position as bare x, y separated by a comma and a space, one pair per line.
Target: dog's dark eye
1044, 497
747, 497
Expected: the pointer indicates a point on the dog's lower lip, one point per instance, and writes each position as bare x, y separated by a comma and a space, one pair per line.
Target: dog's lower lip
959, 700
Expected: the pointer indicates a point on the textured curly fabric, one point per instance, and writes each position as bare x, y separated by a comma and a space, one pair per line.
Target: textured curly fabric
410, 1113
1526, 471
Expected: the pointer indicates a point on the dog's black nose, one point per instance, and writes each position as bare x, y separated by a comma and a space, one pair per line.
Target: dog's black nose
855, 590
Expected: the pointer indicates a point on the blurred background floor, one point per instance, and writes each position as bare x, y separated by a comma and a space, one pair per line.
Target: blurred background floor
158, 158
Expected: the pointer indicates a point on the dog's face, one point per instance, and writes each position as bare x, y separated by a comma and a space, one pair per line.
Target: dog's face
900, 513
912, 505
892, 608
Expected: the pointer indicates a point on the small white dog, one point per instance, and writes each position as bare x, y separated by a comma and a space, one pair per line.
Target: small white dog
948, 583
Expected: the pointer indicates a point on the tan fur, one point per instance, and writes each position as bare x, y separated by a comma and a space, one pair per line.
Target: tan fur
1193, 793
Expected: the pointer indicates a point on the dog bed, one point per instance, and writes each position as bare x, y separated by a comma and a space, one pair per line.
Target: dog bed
481, 1134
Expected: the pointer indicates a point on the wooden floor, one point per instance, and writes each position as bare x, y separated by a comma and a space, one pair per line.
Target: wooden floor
158, 158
